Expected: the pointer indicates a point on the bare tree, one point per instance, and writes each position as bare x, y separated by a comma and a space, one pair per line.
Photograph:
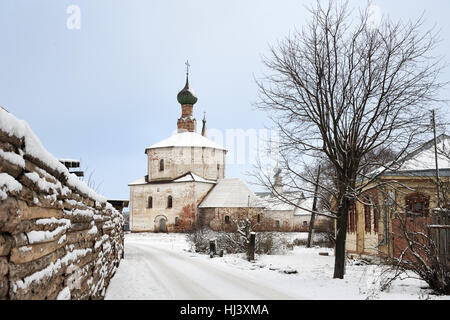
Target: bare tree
341, 89
419, 252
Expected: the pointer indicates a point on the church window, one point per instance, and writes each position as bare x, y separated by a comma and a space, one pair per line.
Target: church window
227, 219
150, 202
177, 222
169, 202
161, 165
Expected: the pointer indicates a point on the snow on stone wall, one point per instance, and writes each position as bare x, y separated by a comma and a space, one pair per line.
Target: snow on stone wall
58, 238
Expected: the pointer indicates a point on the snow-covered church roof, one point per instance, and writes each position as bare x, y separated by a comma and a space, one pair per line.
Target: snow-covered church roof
230, 193
187, 177
186, 139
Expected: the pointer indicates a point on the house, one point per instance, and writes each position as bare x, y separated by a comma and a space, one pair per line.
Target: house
408, 192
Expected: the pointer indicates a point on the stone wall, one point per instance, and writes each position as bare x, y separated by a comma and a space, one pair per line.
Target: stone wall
58, 238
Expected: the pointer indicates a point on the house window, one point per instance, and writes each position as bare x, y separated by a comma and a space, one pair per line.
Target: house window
150, 202
277, 223
352, 215
416, 205
227, 219
169, 202
258, 218
177, 222
376, 218
367, 216
305, 223
161, 165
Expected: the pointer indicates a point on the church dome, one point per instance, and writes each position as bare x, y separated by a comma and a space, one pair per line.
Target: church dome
187, 95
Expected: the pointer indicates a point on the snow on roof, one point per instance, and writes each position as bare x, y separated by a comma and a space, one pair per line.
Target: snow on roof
20, 129
424, 157
305, 205
190, 176
272, 203
422, 160
230, 193
138, 182
187, 177
186, 139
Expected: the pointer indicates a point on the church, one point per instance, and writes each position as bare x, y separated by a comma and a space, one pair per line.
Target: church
183, 171
185, 185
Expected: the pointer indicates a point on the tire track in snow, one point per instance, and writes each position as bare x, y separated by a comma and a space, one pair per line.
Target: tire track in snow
169, 278
242, 287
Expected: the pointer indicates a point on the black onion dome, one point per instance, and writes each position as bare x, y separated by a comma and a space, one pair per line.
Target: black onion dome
187, 95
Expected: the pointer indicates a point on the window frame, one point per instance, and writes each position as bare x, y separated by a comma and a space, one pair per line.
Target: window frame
169, 202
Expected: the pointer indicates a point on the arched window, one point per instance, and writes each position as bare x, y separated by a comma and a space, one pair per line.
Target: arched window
177, 221
161, 165
150, 202
417, 204
169, 202
227, 219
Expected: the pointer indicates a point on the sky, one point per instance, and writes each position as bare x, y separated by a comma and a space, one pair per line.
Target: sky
104, 90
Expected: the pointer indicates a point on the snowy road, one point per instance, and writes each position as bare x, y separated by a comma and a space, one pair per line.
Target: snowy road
154, 271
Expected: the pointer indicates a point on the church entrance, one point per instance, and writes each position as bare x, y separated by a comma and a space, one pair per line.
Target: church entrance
161, 224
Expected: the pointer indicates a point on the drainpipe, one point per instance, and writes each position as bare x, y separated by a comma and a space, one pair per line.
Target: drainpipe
385, 217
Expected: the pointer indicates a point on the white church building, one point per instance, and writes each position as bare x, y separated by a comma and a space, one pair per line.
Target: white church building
182, 169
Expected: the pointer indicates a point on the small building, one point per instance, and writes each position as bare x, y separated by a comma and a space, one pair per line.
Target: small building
291, 214
230, 200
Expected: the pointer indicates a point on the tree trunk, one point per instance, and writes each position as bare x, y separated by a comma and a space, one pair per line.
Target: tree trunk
339, 261
251, 247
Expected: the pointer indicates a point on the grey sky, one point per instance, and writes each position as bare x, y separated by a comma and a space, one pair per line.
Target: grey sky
105, 92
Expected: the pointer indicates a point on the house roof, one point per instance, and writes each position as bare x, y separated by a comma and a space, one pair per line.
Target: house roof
421, 162
423, 158
272, 203
230, 193
186, 139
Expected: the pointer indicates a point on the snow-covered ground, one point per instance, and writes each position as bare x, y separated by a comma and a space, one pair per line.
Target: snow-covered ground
161, 266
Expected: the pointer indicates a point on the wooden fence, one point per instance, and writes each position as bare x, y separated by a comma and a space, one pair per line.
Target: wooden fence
440, 230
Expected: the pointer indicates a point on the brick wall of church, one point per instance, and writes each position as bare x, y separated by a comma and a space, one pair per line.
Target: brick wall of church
207, 163
185, 198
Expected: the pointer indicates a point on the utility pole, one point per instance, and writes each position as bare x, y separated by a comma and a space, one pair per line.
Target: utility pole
314, 210
438, 184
